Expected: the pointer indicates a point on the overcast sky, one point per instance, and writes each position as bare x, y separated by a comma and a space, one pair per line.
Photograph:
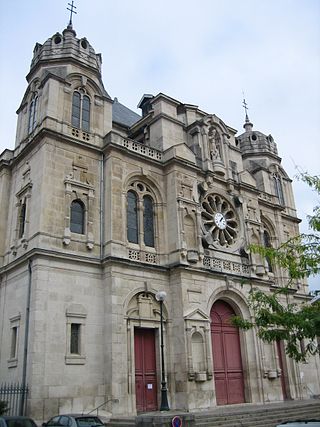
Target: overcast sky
204, 53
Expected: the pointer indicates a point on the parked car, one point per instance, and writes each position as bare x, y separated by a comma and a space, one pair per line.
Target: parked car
300, 423
74, 420
12, 421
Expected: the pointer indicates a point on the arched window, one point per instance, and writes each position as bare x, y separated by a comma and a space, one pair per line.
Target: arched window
267, 244
77, 215
33, 109
278, 188
140, 215
132, 217
80, 111
148, 229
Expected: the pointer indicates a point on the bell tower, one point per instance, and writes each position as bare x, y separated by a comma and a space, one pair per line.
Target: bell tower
65, 93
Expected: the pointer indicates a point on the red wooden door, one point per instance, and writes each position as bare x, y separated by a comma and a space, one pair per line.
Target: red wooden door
145, 369
281, 356
227, 364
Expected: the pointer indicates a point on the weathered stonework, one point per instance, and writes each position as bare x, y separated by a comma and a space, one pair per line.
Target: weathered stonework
213, 194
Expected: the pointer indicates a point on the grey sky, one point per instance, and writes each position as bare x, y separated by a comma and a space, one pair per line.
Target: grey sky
204, 53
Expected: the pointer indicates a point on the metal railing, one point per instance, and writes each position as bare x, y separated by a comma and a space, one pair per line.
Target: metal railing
113, 400
16, 397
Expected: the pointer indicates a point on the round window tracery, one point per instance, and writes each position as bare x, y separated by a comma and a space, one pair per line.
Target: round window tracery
219, 221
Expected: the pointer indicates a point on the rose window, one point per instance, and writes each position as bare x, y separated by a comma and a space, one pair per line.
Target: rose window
219, 222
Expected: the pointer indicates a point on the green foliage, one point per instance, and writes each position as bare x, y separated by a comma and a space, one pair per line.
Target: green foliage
274, 317
3, 407
300, 255
313, 182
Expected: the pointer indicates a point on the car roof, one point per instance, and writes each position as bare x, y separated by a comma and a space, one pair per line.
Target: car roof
76, 415
15, 417
307, 423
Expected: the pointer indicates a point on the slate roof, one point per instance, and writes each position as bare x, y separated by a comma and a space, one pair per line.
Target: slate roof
123, 115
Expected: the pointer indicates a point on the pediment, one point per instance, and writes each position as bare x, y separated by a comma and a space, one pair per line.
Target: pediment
197, 314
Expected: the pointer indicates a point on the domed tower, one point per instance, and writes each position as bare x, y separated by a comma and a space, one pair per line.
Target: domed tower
260, 157
65, 93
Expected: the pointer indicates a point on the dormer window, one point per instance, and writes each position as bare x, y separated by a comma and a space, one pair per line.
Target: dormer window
81, 110
33, 109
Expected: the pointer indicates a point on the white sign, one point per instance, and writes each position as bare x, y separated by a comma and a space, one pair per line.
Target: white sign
149, 386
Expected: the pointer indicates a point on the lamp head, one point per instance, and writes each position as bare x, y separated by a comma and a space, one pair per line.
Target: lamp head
161, 296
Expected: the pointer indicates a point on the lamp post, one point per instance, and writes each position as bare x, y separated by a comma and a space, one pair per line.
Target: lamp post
164, 406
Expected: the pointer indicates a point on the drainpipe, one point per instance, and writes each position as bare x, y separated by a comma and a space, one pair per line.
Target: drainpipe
26, 338
102, 208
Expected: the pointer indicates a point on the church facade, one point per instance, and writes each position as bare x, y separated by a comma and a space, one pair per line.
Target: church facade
101, 208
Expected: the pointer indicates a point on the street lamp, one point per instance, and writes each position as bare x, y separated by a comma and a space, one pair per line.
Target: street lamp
164, 406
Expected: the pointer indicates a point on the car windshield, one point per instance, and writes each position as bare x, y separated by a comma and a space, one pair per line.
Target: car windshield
88, 421
16, 422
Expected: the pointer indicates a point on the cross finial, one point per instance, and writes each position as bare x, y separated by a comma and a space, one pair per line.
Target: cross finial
248, 125
245, 106
72, 7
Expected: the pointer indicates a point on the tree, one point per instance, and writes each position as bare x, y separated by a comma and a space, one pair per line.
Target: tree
275, 318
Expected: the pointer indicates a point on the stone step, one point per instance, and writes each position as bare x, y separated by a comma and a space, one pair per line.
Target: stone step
268, 415
259, 409
257, 419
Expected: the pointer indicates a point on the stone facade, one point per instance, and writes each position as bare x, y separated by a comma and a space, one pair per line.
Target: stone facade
73, 301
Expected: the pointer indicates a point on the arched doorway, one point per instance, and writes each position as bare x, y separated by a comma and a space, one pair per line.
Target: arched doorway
227, 363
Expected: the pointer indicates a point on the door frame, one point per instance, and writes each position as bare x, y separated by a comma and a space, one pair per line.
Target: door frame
154, 335
133, 320
242, 347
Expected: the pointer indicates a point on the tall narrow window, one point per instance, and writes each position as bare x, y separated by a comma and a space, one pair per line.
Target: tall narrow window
76, 102
278, 188
148, 229
33, 109
132, 217
75, 343
14, 342
22, 219
86, 113
75, 338
80, 117
267, 244
77, 215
